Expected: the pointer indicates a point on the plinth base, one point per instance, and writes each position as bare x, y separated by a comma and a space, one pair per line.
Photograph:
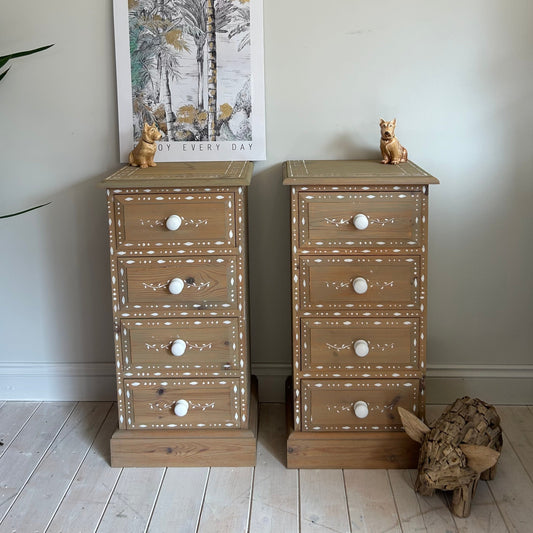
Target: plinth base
351, 450
217, 447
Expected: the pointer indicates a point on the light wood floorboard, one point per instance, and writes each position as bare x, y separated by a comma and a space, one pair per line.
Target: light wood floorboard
13, 416
275, 502
87, 497
55, 477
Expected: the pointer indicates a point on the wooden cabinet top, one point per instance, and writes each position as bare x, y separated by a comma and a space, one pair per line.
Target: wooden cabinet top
357, 172
193, 174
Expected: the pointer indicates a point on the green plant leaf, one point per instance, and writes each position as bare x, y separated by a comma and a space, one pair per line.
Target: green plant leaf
5, 59
4, 73
25, 211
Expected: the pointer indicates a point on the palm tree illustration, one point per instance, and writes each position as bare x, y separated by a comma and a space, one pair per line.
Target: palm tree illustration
194, 13
158, 38
156, 41
211, 70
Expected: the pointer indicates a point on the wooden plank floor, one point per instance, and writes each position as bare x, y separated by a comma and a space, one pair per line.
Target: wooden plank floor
55, 477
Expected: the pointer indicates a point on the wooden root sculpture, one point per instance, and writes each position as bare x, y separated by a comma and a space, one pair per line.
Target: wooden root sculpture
461, 446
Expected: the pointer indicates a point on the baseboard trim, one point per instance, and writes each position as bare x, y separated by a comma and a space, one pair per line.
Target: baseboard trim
499, 384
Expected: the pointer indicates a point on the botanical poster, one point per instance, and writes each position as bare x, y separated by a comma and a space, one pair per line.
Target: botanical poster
195, 69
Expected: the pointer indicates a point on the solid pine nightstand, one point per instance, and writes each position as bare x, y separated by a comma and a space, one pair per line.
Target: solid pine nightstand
178, 246
359, 277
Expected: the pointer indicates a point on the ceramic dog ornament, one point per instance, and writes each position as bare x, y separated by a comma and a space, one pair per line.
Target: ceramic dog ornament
391, 149
460, 447
143, 154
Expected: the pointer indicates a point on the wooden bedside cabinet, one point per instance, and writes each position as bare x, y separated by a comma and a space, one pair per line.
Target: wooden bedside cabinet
178, 246
359, 276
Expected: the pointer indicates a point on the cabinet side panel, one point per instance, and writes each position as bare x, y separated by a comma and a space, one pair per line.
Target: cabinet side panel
115, 307
295, 283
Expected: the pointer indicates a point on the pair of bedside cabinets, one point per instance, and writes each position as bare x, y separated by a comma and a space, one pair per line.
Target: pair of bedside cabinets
178, 247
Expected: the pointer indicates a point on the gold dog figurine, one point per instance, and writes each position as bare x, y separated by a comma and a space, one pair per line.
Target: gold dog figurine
391, 149
143, 154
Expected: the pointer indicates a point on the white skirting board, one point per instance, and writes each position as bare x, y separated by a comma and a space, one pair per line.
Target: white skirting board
497, 384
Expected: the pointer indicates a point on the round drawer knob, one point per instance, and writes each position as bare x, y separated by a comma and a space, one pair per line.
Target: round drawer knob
178, 347
173, 222
361, 348
360, 221
360, 409
181, 407
176, 286
360, 286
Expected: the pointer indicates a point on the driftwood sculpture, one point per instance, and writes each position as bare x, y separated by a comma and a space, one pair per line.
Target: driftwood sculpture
461, 446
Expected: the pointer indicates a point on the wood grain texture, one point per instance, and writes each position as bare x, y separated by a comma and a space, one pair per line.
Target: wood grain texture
217, 447
512, 489
359, 274
393, 219
392, 283
434, 510
350, 450
207, 283
174, 499
211, 402
211, 346
227, 501
275, 502
51, 479
180, 500
131, 504
370, 501
207, 220
332, 403
202, 257
190, 174
517, 424
349, 172
328, 345
13, 417
28, 449
83, 505
406, 501
323, 502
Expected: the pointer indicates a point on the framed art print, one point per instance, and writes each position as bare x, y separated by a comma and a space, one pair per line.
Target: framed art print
195, 69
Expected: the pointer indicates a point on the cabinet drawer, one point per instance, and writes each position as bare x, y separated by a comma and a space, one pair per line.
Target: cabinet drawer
367, 219
331, 405
360, 282
166, 285
195, 220
196, 346
344, 345
184, 403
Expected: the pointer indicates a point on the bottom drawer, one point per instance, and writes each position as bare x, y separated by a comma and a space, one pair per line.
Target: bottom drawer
184, 403
357, 405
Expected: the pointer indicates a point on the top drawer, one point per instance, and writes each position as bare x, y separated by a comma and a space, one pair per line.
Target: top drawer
369, 219
170, 221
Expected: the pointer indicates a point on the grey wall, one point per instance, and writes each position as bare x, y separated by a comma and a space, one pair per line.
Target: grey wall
458, 77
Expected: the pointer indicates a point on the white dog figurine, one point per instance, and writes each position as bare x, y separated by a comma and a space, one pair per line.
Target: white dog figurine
391, 149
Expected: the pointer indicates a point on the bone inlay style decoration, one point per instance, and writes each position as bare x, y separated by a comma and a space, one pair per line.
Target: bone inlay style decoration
359, 245
178, 249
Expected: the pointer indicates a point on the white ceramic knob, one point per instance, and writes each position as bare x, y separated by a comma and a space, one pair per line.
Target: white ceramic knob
176, 286
360, 221
173, 222
178, 347
181, 407
360, 286
360, 409
361, 348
